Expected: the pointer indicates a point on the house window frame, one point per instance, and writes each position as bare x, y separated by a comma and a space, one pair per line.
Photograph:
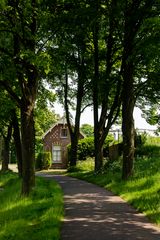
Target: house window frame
56, 154
66, 131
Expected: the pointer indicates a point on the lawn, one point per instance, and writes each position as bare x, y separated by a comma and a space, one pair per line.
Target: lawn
35, 217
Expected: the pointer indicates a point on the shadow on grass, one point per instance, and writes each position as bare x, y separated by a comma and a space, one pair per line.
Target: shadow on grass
36, 217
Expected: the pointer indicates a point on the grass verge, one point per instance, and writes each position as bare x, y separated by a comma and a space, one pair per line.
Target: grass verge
142, 190
35, 217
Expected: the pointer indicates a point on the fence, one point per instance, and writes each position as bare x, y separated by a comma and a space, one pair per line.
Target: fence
117, 133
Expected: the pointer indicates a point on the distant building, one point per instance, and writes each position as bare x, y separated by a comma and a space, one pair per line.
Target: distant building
55, 140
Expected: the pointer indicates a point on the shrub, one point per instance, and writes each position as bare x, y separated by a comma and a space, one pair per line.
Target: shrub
46, 160
86, 147
43, 160
39, 161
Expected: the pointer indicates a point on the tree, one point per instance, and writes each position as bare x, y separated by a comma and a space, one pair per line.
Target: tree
17, 140
148, 91
106, 80
9, 123
135, 14
5, 152
19, 24
5, 127
69, 50
87, 129
95, 53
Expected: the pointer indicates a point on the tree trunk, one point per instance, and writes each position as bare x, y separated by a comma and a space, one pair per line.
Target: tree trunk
74, 148
74, 133
128, 138
98, 156
128, 103
128, 99
28, 150
5, 155
17, 141
98, 153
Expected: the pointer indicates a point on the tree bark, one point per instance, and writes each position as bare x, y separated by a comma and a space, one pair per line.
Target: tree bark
74, 130
128, 99
109, 111
75, 133
97, 152
128, 127
28, 150
5, 154
98, 155
73, 153
17, 141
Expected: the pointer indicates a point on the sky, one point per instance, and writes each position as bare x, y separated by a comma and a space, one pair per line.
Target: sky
87, 117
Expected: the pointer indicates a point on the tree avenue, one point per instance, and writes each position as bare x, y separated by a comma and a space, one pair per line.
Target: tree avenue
91, 53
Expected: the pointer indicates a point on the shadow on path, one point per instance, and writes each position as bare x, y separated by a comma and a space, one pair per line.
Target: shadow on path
93, 213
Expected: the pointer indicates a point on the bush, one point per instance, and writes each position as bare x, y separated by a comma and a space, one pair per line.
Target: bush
46, 160
86, 147
39, 161
43, 160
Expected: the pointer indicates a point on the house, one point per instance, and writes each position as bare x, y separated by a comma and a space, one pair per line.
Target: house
55, 140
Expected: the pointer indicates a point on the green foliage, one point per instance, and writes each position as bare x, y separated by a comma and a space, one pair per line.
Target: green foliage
44, 119
39, 161
46, 160
43, 160
143, 138
151, 114
142, 190
112, 165
150, 147
87, 165
87, 129
153, 141
36, 217
86, 147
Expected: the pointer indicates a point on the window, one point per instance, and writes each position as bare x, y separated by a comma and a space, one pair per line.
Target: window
56, 154
64, 133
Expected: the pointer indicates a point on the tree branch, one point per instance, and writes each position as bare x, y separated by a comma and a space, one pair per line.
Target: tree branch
12, 94
88, 105
66, 102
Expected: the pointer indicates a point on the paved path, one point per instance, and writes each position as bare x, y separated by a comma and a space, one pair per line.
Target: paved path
92, 213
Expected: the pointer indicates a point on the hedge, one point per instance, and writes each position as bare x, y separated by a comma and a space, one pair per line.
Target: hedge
86, 147
43, 160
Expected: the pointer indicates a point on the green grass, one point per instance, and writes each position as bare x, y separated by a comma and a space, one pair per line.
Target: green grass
35, 217
142, 190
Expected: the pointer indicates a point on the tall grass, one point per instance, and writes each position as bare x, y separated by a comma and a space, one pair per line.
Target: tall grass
35, 217
142, 190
